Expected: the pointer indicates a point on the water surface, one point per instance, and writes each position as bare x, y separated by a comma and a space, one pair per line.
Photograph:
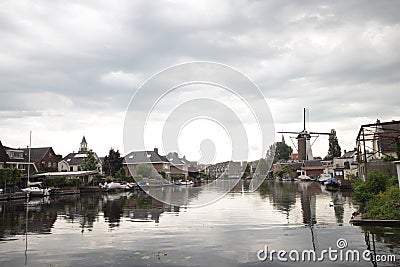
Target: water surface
132, 229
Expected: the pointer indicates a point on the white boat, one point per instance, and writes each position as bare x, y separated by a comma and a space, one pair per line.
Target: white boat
324, 177
37, 191
185, 182
304, 177
112, 186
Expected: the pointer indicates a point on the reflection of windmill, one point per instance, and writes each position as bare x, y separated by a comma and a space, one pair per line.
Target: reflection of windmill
304, 141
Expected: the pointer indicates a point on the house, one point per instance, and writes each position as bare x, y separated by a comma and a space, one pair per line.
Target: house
345, 165
135, 158
74, 161
313, 168
193, 168
179, 168
3, 156
16, 158
231, 169
44, 158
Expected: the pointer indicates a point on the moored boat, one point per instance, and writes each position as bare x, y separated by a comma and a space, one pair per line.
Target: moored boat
184, 182
36, 191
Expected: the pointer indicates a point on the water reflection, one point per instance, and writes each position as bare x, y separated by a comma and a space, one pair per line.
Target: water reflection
280, 214
37, 216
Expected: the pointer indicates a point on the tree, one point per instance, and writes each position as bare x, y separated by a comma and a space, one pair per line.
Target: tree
262, 167
143, 170
282, 151
9, 177
112, 162
90, 162
282, 171
334, 147
121, 175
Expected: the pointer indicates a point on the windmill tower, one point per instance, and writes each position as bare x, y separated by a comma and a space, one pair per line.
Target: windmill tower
304, 140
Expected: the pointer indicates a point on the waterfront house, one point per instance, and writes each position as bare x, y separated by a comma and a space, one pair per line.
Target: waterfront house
345, 165
3, 156
135, 158
74, 161
44, 158
16, 158
193, 168
313, 168
178, 167
232, 169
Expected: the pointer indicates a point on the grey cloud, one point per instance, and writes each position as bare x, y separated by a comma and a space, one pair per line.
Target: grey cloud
320, 54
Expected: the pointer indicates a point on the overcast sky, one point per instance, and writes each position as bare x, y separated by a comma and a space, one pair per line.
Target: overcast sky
70, 68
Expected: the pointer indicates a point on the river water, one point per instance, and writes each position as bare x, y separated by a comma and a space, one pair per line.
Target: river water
132, 229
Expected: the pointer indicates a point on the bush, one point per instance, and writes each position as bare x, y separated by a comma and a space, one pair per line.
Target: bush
385, 206
375, 183
283, 171
378, 196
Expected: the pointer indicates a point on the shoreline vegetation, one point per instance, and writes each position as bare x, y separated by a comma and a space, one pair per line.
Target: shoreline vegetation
378, 197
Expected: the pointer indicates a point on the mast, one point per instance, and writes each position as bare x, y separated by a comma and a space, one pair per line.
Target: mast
29, 155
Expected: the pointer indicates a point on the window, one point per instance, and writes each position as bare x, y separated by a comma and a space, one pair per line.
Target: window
49, 164
71, 169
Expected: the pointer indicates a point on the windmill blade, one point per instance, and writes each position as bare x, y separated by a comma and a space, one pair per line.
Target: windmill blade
291, 132
319, 133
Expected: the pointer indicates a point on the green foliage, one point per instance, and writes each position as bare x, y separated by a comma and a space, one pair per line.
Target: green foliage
378, 196
334, 147
57, 181
283, 171
9, 177
144, 170
112, 162
279, 151
282, 151
163, 174
121, 175
394, 181
262, 167
70, 182
90, 162
389, 158
361, 193
375, 183
384, 206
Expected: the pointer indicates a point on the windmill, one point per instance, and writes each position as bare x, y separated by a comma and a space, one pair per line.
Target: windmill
304, 140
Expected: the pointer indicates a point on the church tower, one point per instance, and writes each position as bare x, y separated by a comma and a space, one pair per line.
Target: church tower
83, 147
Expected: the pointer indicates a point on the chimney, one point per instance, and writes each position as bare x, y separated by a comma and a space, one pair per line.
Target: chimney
156, 150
